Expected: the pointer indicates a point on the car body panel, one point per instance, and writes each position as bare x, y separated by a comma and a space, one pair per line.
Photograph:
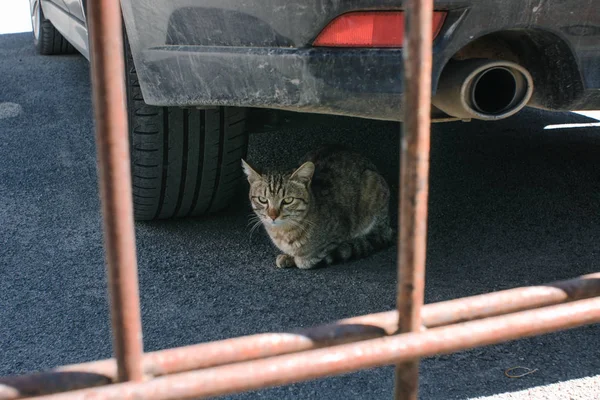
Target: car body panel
72, 28
258, 53
79, 37
56, 3
79, 33
75, 8
56, 11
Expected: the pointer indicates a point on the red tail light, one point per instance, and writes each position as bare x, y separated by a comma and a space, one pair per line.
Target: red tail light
370, 29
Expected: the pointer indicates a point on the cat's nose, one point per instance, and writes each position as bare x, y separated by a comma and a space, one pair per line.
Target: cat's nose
273, 214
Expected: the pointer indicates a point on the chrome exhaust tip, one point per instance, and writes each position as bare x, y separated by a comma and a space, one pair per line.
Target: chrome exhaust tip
483, 89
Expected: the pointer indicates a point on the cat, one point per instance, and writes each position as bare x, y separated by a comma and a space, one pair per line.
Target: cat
332, 208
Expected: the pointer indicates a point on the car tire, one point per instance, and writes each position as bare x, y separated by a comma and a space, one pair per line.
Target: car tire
46, 38
184, 162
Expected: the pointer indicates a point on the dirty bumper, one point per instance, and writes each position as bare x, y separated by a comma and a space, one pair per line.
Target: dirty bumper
366, 83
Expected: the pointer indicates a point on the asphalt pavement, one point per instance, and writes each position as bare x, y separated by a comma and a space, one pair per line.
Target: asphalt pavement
511, 204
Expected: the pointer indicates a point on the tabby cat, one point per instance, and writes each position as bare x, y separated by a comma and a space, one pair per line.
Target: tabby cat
334, 207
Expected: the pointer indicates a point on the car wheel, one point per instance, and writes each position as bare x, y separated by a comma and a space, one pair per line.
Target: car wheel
185, 162
46, 38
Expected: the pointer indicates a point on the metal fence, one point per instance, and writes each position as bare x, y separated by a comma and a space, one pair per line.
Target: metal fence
400, 337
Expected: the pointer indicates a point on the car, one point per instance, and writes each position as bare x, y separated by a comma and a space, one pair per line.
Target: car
197, 71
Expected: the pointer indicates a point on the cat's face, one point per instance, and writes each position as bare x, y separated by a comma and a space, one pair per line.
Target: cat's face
279, 199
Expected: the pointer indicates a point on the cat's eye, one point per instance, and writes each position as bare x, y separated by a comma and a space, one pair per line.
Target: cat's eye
262, 200
288, 200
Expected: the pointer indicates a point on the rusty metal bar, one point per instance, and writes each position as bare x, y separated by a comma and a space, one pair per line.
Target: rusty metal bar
226, 367
414, 176
346, 358
107, 71
247, 348
492, 304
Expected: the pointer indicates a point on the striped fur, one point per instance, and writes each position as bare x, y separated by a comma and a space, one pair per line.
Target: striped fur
333, 208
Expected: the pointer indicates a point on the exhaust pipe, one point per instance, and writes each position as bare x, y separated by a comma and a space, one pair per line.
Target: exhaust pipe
483, 89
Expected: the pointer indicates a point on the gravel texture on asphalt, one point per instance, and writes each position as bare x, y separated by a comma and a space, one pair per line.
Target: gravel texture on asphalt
511, 204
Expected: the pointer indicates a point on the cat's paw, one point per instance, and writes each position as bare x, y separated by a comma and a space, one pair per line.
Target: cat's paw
285, 261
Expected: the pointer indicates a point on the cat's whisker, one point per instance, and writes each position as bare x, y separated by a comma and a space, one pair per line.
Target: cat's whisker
310, 217
309, 223
298, 225
304, 224
255, 224
254, 228
253, 221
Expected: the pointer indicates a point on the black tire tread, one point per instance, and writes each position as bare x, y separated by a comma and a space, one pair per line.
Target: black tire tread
183, 160
51, 41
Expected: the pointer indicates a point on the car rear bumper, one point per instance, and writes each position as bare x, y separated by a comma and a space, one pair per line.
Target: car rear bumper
258, 53
364, 83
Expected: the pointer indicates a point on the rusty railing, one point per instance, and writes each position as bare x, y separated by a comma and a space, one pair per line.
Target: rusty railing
399, 337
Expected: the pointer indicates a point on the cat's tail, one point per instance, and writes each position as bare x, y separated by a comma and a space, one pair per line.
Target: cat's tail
362, 246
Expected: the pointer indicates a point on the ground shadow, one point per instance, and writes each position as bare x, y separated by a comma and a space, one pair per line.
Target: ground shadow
511, 205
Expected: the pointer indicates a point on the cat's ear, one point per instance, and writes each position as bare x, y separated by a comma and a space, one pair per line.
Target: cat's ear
252, 175
304, 173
